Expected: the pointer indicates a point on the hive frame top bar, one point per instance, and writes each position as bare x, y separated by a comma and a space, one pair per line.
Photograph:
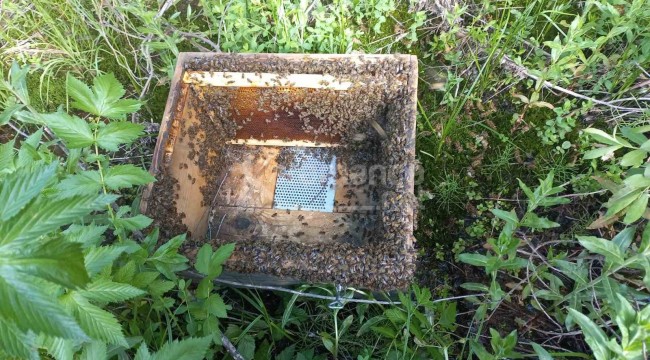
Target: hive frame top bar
267, 80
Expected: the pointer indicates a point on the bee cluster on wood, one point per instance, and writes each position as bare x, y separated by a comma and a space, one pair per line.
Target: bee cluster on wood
372, 122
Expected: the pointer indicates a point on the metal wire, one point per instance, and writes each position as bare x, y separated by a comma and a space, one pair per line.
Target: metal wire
321, 297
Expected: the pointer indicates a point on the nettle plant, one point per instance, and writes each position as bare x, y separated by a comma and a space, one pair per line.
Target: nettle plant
76, 275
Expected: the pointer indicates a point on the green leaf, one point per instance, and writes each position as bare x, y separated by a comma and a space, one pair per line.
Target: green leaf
21, 186
124, 176
98, 258
84, 183
617, 202
26, 304
104, 98
94, 350
143, 353
594, 336
8, 112
636, 209
634, 135
542, 354
202, 263
16, 343
86, 235
222, 254
624, 238
82, 95
605, 138
111, 136
96, 322
137, 222
216, 306
44, 215
7, 153
187, 349
601, 151
507, 216
526, 189
608, 249
246, 346
60, 349
327, 341
473, 259
103, 290
533, 221
74, 131
57, 261
634, 158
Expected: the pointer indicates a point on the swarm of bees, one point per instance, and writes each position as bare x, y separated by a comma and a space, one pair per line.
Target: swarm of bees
373, 121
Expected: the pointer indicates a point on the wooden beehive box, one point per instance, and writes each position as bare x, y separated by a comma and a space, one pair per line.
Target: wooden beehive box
306, 162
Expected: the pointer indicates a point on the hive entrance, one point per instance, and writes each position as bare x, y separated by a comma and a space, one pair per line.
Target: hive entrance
306, 162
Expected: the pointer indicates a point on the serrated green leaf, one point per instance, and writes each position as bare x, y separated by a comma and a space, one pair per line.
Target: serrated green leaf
21, 186
60, 349
74, 131
142, 353
57, 261
97, 258
86, 235
7, 153
104, 98
16, 343
94, 350
26, 304
103, 290
216, 306
636, 209
202, 263
124, 176
8, 112
169, 248
82, 95
137, 222
84, 183
246, 346
186, 349
222, 254
396, 316
44, 215
97, 323
111, 136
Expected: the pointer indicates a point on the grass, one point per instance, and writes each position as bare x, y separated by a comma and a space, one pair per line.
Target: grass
473, 128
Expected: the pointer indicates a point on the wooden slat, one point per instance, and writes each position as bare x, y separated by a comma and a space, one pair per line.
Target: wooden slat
299, 226
268, 80
275, 142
